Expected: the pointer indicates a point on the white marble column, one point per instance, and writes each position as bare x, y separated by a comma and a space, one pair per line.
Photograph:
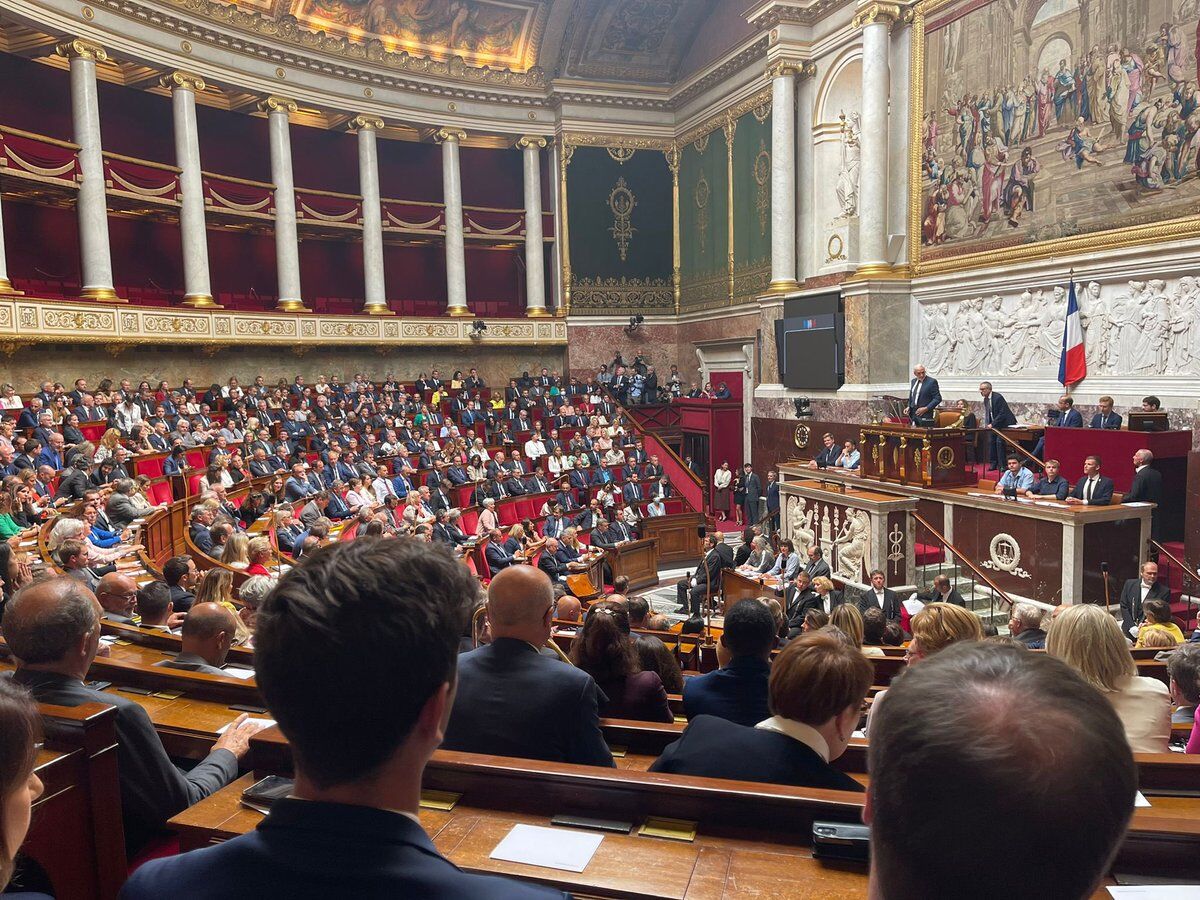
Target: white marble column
6, 286
901, 54
783, 175
875, 19
806, 93
197, 289
91, 202
456, 263
372, 216
287, 244
535, 266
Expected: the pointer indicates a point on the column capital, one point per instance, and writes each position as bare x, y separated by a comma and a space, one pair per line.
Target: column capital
82, 49
878, 13
182, 81
794, 68
449, 135
363, 122
533, 140
273, 104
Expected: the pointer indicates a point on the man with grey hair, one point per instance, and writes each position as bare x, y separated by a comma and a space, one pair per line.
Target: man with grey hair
252, 593
956, 751
1183, 665
53, 629
1025, 625
1147, 487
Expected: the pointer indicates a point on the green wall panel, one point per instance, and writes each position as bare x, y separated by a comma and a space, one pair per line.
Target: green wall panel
704, 221
751, 204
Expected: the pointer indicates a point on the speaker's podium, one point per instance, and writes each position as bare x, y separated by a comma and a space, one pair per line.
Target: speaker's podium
922, 457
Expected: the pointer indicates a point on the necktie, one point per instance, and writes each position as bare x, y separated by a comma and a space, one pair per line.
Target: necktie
1087, 494
987, 411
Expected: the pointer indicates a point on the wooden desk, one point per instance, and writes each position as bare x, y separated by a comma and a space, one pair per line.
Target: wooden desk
637, 561
735, 587
679, 537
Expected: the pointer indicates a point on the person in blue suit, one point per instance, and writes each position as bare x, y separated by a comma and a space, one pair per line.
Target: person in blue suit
1064, 415
997, 416
1093, 489
738, 690
924, 397
385, 616
1106, 418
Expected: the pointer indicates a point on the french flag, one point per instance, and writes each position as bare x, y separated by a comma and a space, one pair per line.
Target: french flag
1072, 365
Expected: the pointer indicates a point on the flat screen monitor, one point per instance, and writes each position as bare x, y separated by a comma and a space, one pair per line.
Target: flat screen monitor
810, 343
1148, 421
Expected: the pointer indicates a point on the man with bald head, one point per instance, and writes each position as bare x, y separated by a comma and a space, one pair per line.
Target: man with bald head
514, 701
52, 627
116, 593
208, 633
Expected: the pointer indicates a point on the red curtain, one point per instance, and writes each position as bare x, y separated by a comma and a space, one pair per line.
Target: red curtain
234, 143
322, 208
42, 246
409, 170
135, 123
331, 276
234, 196
492, 178
242, 269
146, 181
36, 97
327, 160
147, 258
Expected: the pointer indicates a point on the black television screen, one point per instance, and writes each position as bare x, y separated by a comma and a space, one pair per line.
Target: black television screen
810, 342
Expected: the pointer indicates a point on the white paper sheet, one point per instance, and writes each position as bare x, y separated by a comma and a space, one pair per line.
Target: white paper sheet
265, 723
551, 848
1140, 800
1155, 891
238, 672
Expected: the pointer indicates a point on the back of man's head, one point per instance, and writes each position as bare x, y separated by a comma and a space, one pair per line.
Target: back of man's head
204, 625
154, 603
956, 750
386, 615
568, 609
638, 608
519, 599
749, 629
46, 620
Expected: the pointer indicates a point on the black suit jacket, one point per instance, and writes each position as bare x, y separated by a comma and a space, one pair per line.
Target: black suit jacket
891, 603
929, 395
152, 789
294, 852
1131, 602
512, 701
1002, 416
1101, 495
1147, 487
552, 566
717, 748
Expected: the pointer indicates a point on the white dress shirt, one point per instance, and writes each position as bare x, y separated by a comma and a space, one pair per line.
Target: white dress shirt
797, 731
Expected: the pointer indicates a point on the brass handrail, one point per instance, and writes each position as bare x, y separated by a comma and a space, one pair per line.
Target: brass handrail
975, 570
999, 432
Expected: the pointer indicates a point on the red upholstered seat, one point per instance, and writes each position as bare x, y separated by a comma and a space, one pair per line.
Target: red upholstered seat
196, 459
160, 492
151, 467
93, 431
469, 521
193, 485
508, 513
527, 508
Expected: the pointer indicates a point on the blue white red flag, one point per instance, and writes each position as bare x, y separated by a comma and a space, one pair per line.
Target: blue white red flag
1072, 365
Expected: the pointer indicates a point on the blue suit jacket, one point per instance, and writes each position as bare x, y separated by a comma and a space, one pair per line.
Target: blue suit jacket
305, 850
1112, 420
512, 701
737, 692
1072, 418
929, 396
1002, 416
1102, 494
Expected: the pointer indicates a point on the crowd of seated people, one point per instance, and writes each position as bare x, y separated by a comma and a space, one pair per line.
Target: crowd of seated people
390, 613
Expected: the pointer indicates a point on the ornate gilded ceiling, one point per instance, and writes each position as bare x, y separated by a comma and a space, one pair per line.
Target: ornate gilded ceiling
612, 40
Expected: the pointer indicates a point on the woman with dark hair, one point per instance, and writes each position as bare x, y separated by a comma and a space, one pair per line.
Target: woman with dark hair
15, 572
20, 735
603, 648
743, 552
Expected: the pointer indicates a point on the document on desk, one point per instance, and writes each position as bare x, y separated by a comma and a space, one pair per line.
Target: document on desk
1139, 800
551, 848
264, 723
238, 672
1155, 891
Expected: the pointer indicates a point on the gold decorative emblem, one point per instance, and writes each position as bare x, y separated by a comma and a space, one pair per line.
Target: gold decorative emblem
945, 457
917, 458
701, 143
762, 177
835, 249
622, 202
621, 155
802, 435
703, 194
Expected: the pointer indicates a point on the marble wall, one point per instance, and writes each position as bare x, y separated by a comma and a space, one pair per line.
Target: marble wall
27, 368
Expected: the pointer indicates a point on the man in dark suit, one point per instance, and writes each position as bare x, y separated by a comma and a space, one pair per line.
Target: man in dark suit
816, 567
512, 700
924, 397
1093, 489
944, 591
1106, 418
497, 555
351, 816
753, 487
816, 687
1137, 591
996, 416
738, 690
548, 561
52, 628
1147, 487
798, 599
207, 634
883, 597
707, 578
181, 575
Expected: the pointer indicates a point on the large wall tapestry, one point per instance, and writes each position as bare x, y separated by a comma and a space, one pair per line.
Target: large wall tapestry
704, 221
1047, 126
483, 32
619, 227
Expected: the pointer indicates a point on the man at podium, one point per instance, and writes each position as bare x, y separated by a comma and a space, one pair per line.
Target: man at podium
924, 397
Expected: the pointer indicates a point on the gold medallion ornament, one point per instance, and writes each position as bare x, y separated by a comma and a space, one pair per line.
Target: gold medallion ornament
945, 457
622, 202
762, 177
801, 436
621, 155
703, 194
